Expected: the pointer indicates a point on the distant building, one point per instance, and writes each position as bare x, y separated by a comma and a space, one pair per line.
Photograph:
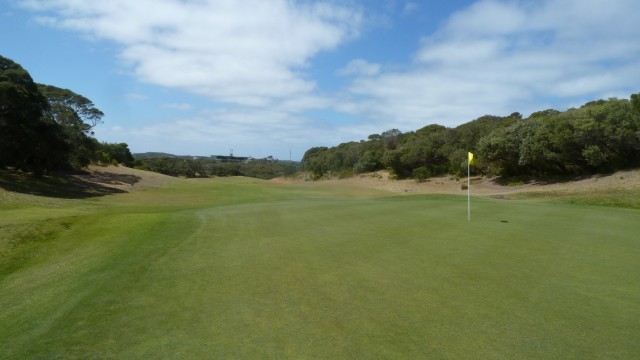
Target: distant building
231, 158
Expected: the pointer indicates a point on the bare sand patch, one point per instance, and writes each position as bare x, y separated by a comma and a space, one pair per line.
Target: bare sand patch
129, 179
484, 186
124, 178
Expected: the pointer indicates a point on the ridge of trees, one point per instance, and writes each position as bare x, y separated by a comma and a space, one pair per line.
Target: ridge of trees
601, 136
200, 166
45, 128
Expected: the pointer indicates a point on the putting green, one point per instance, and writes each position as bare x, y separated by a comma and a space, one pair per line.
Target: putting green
239, 268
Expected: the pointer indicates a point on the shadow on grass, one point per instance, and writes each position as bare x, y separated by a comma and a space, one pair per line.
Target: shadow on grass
71, 185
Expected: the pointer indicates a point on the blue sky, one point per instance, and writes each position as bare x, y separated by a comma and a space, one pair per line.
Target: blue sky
266, 77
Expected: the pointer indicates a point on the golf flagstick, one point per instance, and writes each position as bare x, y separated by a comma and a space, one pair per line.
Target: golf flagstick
470, 156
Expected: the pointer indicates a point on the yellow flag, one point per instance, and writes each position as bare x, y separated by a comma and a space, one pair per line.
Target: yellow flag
470, 158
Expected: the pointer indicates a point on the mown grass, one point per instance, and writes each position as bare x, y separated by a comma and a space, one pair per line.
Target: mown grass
239, 268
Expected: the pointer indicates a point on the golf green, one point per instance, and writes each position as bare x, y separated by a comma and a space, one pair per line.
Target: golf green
238, 268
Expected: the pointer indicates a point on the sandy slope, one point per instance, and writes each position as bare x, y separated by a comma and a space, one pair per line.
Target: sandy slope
625, 180
124, 178
131, 180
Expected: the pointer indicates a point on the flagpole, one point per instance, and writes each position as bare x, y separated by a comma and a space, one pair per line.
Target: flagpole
468, 191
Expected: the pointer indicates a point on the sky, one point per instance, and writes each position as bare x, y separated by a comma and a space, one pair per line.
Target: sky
277, 77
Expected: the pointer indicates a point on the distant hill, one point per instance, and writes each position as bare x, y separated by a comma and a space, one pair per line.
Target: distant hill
154, 155
149, 155
214, 165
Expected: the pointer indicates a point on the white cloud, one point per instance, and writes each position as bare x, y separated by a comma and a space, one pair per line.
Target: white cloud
248, 131
493, 57
487, 17
461, 51
497, 57
359, 67
246, 52
299, 104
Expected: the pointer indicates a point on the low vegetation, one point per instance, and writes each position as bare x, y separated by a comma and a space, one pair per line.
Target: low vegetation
191, 167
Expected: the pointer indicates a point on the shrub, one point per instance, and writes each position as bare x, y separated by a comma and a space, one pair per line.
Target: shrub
421, 174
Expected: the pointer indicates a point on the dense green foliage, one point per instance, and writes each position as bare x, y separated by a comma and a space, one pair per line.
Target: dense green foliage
70, 109
601, 136
30, 140
432, 150
237, 268
76, 116
190, 167
44, 128
115, 154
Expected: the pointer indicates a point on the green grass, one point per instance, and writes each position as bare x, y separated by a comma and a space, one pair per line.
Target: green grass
612, 197
239, 268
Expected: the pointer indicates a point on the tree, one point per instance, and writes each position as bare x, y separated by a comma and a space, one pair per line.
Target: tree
116, 152
544, 113
635, 103
314, 160
72, 110
594, 156
370, 155
501, 149
391, 138
421, 174
393, 160
601, 136
29, 139
77, 116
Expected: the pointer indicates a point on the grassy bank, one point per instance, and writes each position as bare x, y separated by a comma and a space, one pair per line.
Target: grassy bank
609, 197
238, 268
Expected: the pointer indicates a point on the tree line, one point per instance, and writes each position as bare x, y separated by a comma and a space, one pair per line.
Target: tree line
192, 167
599, 137
44, 128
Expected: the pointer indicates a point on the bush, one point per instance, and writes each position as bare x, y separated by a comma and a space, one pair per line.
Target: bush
594, 156
421, 174
345, 173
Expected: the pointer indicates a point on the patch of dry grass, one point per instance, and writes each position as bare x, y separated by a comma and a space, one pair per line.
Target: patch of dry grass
616, 187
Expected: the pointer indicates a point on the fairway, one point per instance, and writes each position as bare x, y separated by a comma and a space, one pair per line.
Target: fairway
236, 268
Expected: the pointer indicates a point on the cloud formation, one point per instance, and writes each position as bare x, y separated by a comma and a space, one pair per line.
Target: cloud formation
250, 131
497, 57
255, 59
360, 67
243, 52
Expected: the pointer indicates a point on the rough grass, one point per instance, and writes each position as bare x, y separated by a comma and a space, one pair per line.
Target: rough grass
239, 268
604, 197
